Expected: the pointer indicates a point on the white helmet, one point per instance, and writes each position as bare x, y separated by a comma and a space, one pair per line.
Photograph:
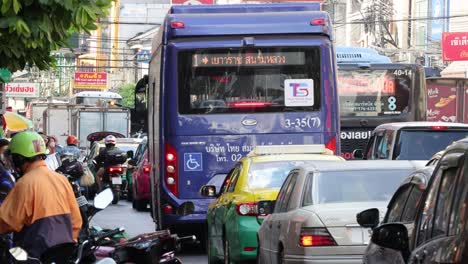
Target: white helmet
110, 140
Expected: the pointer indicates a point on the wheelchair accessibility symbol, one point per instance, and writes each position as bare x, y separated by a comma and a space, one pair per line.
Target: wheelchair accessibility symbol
193, 162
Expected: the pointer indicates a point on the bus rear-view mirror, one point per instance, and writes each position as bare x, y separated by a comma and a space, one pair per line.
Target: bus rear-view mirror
208, 191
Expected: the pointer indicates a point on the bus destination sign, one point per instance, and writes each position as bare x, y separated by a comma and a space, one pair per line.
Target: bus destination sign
248, 59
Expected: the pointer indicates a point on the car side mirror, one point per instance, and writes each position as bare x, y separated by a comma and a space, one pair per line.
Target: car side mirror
369, 218
265, 207
358, 154
393, 236
19, 254
130, 154
208, 191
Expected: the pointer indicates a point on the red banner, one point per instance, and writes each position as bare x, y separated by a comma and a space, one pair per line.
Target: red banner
455, 46
192, 2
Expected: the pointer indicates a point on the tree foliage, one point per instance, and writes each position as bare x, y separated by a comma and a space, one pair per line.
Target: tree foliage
127, 91
31, 29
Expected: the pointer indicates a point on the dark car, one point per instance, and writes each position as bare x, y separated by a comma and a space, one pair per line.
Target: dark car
412, 140
441, 228
401, 208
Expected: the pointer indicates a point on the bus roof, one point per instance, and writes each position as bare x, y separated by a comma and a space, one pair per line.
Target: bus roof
98, 94
359, 55
252, 19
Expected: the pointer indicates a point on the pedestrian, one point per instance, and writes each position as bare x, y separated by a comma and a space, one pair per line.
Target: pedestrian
51, 144
41, 209
7, 181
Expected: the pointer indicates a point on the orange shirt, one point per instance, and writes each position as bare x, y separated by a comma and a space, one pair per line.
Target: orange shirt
42, 204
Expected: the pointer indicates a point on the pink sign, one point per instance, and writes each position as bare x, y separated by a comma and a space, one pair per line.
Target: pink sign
442, 102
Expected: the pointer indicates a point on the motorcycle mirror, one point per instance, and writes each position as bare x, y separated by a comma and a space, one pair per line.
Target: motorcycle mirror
19, 254
103, 199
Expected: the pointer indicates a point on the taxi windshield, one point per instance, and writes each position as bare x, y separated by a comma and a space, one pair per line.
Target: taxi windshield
270, 174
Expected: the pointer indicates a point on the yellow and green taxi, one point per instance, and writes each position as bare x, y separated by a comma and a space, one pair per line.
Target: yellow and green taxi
233, 220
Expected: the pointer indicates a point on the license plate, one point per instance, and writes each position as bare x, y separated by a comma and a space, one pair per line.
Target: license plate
116, 180
355, 235
81, 201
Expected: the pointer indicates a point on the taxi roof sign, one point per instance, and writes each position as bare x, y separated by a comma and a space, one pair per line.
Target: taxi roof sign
290, 149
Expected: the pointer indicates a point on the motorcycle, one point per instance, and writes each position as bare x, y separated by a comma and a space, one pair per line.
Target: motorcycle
113, 170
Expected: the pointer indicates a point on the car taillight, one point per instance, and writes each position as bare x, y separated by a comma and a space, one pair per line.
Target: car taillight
171, 172
177, 24
115, 170
316, 237
146, 169
318, 22
331, 145
247, 209
438, 127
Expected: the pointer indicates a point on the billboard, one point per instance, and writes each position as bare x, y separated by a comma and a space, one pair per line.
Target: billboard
22, 90
442, 102
437, 25
455, 46
89, 81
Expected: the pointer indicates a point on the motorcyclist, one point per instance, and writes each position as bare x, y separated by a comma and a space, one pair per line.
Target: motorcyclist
41, 209
101, 159
71, 149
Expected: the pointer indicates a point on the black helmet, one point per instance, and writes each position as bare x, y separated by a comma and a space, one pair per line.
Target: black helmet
73, 169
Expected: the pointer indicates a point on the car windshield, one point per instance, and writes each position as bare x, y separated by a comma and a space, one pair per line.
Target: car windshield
353, 186
270, 174
423, 144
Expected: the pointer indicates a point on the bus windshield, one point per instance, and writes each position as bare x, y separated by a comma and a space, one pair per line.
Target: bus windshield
374, 92
249, 80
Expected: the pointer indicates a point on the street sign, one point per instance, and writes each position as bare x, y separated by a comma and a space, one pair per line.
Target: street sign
144, 56
5, 75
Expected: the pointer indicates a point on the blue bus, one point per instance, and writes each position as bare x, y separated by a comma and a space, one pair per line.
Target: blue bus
225, 78
372, 91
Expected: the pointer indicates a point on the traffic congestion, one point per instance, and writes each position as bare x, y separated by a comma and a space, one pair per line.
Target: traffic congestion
251, 133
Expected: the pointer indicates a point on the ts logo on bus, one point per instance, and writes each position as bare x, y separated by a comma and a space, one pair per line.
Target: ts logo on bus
300, 89
298, 92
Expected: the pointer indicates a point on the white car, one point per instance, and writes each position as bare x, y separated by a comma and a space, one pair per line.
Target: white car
314, 217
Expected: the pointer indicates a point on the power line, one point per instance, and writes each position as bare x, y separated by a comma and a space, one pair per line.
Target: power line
402, 20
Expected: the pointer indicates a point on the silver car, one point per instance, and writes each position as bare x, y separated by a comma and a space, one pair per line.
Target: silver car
314, 217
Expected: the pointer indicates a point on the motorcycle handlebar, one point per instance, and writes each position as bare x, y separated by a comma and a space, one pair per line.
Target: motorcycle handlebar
109, 233
186, 239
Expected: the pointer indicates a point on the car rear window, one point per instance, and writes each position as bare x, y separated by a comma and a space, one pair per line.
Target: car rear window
353, 186
270, 174
423, 144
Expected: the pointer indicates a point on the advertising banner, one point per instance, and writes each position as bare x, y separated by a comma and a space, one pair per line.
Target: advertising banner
455, 46
437, 25
90, 80
442, 102
21, 90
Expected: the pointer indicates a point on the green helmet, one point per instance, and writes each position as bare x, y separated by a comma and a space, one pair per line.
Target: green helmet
27, 144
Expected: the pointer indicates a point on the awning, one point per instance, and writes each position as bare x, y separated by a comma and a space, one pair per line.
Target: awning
457, 69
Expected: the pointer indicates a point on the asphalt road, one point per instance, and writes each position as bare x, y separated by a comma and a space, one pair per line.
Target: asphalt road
122, 215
